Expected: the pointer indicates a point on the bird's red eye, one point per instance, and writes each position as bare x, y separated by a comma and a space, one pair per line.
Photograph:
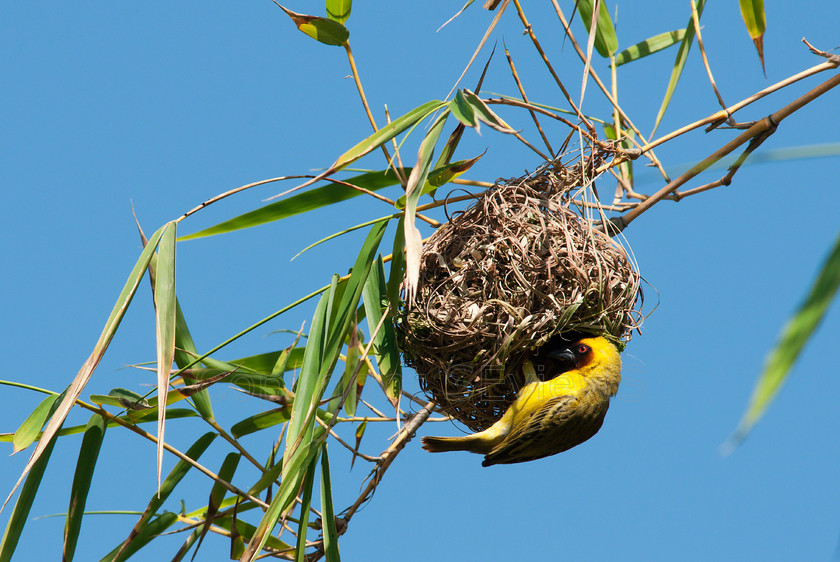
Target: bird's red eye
582, 349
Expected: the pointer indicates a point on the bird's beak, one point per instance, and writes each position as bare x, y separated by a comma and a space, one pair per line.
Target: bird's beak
564, 355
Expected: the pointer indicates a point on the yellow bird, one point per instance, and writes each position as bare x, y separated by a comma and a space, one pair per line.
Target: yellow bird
560, 411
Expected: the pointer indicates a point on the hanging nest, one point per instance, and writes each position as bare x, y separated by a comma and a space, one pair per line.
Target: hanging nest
504, 276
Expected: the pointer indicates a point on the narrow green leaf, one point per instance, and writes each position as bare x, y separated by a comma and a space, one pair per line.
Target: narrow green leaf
260, 421
293, 474
17, 520
343, 319
187, 545
82, 477
217, 494
165, 323
360, 432
305, 389
384, 347
323, 30
606, 42
164, 490
154, 528
462, 110
487, 115
649, 46
31, 426
339, 10
302, 203
303, 524
348, 382
328, 525
84, 374
679, 64
395, 275
184, 351
388, 132
246, 531
264, 363
121, 398
753, 13
793, 338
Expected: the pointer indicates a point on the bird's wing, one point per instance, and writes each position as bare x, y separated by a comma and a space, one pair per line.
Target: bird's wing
523, 443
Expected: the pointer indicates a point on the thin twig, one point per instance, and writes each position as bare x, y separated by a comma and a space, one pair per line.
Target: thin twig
763, 127
696, 19
237, 190
649, 155
722, 115
525, 99
358, 81
516, 103
548, 65
346, 445
234, 443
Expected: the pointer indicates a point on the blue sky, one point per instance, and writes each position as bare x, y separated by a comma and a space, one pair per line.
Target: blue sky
163, 105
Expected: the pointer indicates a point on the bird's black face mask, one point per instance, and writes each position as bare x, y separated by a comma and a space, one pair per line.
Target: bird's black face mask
559, 355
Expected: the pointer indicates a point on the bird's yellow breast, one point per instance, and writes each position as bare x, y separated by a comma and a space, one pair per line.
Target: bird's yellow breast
534, 395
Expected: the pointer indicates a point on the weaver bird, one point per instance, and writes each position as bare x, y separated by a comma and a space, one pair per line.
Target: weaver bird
550, 415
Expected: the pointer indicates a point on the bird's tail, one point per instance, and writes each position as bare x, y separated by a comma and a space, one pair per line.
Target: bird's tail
469, 443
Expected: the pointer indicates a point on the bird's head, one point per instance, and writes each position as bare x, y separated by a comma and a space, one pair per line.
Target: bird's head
593, 357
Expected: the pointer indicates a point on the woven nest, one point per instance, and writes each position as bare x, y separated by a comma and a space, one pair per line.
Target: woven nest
499, 279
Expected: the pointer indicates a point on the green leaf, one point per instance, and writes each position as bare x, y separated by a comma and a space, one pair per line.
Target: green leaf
30, 429
184, 351
679, 64
297, 431
606, 42
462, 110
395, 275
753, 13
487, 115
302, 203
388, 132
121, 398
82, 477
649, 46
264, 363
339, 10
384, 347
246, 531
293, 474
793, 338
260, 421
17, 520
323, 30
149, 531
327, 512
164, 296
217, 494
303, 524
